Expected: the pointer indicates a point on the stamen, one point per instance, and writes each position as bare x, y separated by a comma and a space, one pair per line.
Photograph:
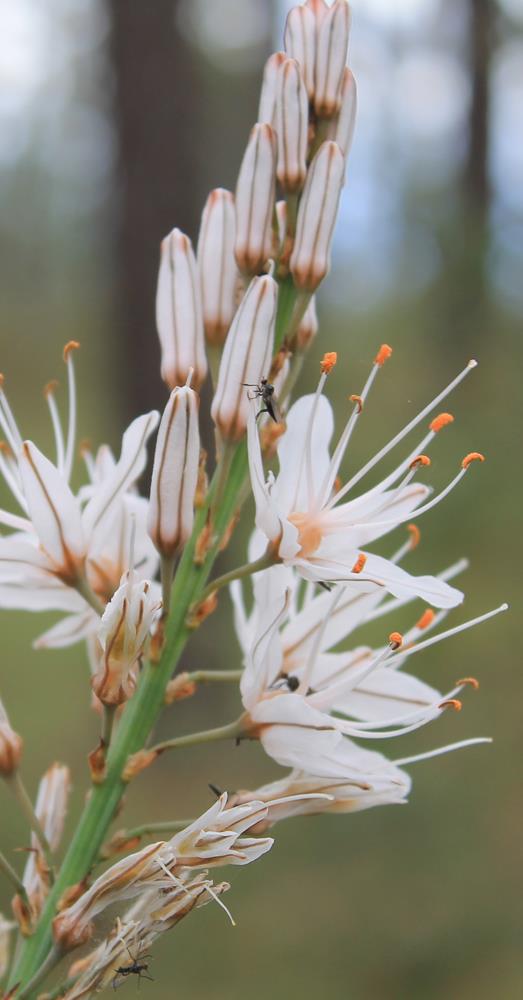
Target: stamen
441, 750
328, 362
359, 564
69, 350
220, 903
9, 473
473, 456
383, 355
315, 648
407, 429
418, 461
358, 400
395, 640
442, 420
426, 619
426, 507
8, 422
49, 391
415, 535
454, 703
188, 380
454, 631
472, 681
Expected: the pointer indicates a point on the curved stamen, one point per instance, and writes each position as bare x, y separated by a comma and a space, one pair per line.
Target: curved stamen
9, 476
409, 427
454, 631
400, 762
8, 422
69, 349
407, 723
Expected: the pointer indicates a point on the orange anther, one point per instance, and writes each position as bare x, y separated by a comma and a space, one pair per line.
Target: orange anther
359, 564
85, 447
471, 681
383, 354
473, 456
419, 460
415, 535
358, 400
72, 345
441, 421
50, 388
452, 703
328, 361
2, 379
426, 619
4, 447
395, 639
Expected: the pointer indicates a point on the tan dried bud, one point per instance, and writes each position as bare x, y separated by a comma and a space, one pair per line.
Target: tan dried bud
229, 531
119, 843
310, 259
11, 745
246, 357
269, 89
331, 56
308, 326
123, 631
72, 894
50, 809
292, 124
254, 200
179, 688
179, 313
199, 612
300, 42
204, 543
202, 484
137, 763
23, 915
175, 473
216, 264
97, 763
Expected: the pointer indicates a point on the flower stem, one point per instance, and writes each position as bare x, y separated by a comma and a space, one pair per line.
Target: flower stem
18, 789
231, 731
108, 717
52, 959
149, 829
204, 676
266, 560
144, 708
10, 873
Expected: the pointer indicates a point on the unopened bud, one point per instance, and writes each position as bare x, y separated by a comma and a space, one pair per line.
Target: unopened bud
308, 327
246, 357
179, 312
300, 42
292, 117
255, 200
269, 89
122, 634
341, 128
6, 926
331, 55
175, 473
10, 746
216, 264
310, 259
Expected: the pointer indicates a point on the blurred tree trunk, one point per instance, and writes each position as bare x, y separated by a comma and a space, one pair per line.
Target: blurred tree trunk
181, 125
156, 105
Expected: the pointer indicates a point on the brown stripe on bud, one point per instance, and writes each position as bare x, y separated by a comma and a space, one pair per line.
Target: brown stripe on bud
300, 42
175, 473
179, 312
331, 55
255, 195
292, 117
269, 89
310, 259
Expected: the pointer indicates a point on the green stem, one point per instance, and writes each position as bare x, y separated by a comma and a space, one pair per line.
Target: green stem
52, 959
89, 596
167, 564
149, 829
204, 676
229, 732
10, 873
108, 717
144, 708
266, 560
18, 789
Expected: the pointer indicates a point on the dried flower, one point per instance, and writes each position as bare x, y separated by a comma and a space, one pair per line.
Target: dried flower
255, 200
50, 810
124, 629
179, 312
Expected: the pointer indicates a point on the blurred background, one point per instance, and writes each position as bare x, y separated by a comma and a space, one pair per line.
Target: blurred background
116, 118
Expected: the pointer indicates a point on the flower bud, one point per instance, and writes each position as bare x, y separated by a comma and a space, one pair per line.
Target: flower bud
50, 809
300, 42
310, 259
216, 264
308, 326
269, 89
178, 312
246, 356
175, 473
255, 200
10, 746
122, 633
6, 926
331, 55
341, 128
292, 121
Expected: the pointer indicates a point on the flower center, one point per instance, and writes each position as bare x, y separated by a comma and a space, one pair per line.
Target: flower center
309, 532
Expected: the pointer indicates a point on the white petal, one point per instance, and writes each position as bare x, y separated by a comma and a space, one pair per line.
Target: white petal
68, 631
54, 511
291, 488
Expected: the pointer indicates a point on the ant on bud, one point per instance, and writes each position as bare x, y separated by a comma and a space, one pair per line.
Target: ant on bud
265, 391
135, 968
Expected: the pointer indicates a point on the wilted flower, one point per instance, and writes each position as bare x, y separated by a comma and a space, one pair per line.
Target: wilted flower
123, 631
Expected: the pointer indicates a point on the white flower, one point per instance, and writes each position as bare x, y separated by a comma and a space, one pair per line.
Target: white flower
300, 512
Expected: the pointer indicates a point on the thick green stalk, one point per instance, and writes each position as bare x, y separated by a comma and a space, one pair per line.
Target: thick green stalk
145, 707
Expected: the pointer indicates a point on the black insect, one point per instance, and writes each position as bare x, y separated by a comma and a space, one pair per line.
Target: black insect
287, 680
137, 967
265, 391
